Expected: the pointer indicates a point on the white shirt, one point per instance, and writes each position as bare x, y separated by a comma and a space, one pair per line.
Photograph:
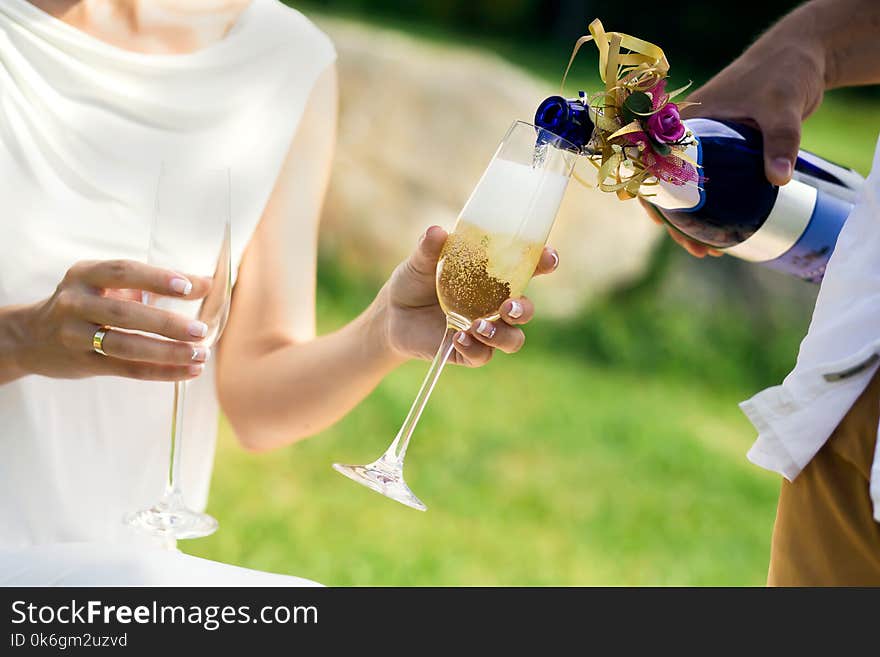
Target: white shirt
837, 358
83, 126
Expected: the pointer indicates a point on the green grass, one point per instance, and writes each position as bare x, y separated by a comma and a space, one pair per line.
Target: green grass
610, 451
550, 468
537, 470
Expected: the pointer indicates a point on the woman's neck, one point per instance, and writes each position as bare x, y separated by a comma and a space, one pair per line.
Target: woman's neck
149, 26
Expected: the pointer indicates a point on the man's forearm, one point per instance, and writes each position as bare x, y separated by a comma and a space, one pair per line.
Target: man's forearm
847, 32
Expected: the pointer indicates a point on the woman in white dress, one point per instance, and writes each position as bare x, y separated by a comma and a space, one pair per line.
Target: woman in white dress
92, 94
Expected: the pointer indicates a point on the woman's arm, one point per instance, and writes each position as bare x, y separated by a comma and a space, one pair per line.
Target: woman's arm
269, 356
276, 382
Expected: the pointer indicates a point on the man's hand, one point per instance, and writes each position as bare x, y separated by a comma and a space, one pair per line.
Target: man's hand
781, 78
776, 84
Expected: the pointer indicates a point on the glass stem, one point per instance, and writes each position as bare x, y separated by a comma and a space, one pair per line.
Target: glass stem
397, 450
172, 488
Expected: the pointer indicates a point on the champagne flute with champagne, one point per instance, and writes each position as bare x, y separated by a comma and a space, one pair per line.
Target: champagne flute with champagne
490, 256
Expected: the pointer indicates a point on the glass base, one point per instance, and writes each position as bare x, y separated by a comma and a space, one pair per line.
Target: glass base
384, 478
171, 519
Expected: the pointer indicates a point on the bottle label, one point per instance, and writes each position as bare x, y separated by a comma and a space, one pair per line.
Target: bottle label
801, 229
783, 227
809, 256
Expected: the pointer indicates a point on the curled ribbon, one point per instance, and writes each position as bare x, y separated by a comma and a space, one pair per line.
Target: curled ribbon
620, 142
642, 53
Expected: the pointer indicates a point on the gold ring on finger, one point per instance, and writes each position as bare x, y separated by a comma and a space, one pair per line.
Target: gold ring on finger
98, 340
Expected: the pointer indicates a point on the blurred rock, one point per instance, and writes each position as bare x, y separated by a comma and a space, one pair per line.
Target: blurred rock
419, 122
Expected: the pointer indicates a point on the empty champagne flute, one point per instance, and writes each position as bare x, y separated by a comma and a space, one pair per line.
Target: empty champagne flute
490, 256
190, 235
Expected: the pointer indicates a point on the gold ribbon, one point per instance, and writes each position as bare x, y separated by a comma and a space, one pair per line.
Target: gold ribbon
643, 55
639, 69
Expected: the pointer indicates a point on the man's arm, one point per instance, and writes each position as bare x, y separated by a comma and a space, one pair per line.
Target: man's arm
781, 78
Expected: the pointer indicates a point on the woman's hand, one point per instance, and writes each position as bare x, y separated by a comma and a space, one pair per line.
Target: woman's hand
415, 322
54, 337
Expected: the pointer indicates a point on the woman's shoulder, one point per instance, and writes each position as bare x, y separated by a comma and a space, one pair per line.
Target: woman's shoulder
295, 29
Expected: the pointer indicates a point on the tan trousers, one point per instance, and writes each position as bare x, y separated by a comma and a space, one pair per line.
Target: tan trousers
825, 532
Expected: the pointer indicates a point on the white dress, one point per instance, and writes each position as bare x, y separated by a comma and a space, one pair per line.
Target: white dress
83, 126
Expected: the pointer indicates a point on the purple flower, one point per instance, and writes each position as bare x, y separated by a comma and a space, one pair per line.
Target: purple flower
665, 124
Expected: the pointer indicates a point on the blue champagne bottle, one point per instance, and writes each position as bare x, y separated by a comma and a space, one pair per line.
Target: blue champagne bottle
792, 228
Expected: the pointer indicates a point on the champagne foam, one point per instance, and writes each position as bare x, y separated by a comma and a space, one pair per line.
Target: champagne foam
516, 199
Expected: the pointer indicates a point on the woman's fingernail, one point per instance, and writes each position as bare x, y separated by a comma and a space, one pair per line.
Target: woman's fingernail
781, 167
198, 329
463, 339
195, 370
201, 354
486, 329
422, 238
181, 286
514, 309
555, 257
